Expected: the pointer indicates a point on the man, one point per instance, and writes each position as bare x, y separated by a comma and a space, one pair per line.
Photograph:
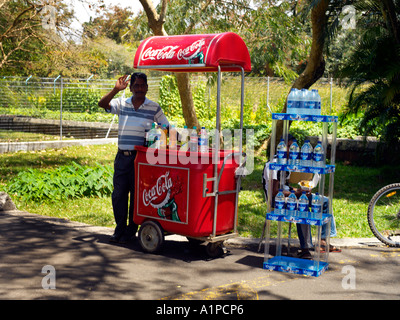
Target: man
135, 113
303, 230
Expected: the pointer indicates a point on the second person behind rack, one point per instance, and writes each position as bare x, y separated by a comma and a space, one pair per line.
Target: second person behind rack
303, 230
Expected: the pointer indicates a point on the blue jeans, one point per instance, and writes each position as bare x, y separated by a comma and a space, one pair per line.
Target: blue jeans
304, 230
124, 194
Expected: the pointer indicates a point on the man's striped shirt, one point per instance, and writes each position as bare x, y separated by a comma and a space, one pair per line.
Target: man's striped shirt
133, 123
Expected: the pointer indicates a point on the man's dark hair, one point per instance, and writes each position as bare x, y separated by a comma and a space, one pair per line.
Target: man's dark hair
137, 75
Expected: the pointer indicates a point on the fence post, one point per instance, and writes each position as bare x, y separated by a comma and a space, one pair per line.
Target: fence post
331, 82
269, 108
87, 83
61, 104
54, 83
26, 89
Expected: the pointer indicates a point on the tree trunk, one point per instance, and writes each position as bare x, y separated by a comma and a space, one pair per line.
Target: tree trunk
388, 9
185, 91
156, 24
315, 63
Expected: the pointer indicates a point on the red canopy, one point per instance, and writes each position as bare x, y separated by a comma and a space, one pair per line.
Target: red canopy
193, 53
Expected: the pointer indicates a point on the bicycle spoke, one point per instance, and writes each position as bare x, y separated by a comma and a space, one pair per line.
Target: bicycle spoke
383, 215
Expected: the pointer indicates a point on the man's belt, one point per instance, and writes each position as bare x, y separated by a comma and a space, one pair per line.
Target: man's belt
127, 152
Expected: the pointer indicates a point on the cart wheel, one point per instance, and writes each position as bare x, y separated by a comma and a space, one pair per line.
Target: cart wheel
151, 236
215, 249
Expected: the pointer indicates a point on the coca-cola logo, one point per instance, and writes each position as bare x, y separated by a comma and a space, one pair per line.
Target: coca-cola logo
191, 51
169, 52
159, 194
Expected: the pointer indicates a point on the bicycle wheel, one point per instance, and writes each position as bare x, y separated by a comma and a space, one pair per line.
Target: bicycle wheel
384, 215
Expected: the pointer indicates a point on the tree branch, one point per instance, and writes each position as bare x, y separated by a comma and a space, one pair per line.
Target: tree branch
156, 22
163, 11
189, 28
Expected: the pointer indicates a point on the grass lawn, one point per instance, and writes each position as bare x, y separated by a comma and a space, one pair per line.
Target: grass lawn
354, 187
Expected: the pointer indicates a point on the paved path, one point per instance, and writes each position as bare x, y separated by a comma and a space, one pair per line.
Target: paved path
86, 266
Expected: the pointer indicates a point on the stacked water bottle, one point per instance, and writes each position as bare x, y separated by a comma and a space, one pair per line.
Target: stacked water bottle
304, 102
293, 207
307, 156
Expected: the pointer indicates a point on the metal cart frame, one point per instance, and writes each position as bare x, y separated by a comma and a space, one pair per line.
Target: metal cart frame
222, 63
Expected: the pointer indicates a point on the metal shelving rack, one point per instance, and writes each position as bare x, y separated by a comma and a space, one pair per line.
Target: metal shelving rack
319, 263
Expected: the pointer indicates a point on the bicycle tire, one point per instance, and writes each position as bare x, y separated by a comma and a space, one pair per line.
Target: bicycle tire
374, 215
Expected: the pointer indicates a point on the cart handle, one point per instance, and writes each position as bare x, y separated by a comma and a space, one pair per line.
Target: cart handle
239, 169
238, 173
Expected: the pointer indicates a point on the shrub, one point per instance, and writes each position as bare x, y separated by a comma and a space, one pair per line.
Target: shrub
72, 181
76, 100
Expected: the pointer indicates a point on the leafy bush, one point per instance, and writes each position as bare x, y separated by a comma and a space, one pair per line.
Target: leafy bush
169, 98
72, 181
77, 100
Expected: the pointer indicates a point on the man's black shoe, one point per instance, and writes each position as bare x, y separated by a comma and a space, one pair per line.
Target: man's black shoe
115, 239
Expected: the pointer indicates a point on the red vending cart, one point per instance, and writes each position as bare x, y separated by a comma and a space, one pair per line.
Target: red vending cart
190, 193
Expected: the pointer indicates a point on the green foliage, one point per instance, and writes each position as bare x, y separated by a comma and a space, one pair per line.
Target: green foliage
373, 70
65, 182
256, 114
277, 41
76, 100
199, 101
169, 98
114, 23
170, 101
261, 133
276, 37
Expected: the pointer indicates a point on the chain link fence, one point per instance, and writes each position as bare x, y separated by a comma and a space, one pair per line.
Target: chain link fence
56, 108
39, 109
